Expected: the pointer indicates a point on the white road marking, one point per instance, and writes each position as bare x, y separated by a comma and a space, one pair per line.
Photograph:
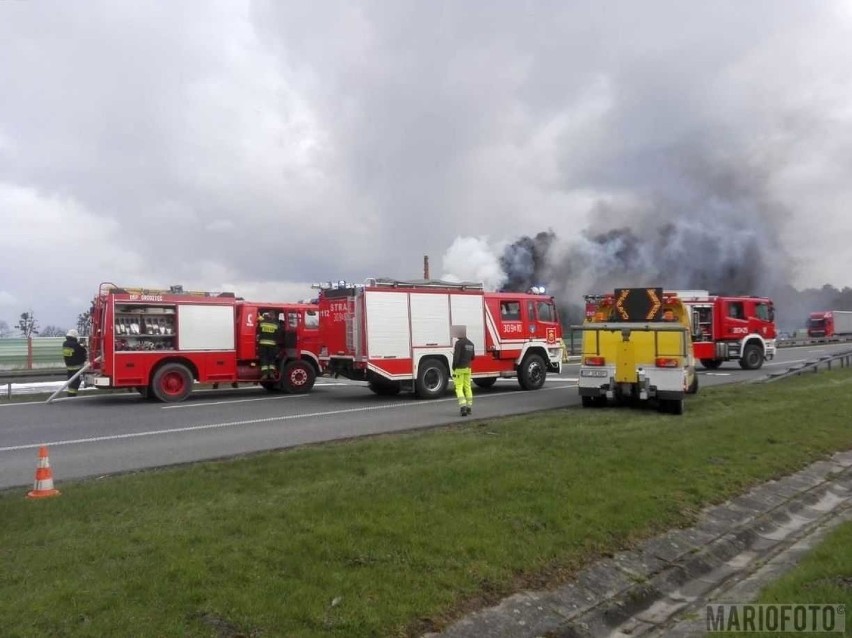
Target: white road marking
230, 402
285, 417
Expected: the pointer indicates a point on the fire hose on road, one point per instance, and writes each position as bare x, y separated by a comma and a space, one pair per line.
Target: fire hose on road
71, 379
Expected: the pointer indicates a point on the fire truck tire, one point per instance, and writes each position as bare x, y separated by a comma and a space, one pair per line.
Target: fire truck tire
432, 379
298, 377
172, 383
271, 386
533, 372
752, 358
486, 382
711, 364
384, 389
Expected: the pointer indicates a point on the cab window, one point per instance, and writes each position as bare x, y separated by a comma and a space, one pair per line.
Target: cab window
546, 311
292, 320
510, 310
736, 310
311, 319
761, 311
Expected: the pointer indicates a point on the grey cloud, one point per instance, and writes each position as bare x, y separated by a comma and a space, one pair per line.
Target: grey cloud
287, 142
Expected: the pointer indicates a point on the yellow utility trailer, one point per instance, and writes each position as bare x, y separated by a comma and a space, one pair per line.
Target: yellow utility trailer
637, 347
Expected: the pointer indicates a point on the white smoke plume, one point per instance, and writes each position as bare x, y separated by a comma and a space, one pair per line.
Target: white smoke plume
474, 259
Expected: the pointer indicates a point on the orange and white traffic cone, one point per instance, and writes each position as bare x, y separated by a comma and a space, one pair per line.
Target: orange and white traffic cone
43, 485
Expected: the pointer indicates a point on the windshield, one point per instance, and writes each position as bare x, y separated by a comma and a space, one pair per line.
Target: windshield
816, 323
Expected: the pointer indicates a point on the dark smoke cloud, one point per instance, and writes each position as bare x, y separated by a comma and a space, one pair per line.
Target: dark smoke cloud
716, 229
619, 258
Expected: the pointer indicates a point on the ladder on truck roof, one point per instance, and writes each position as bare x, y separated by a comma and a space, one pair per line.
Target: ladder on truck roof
422, 283
106, 288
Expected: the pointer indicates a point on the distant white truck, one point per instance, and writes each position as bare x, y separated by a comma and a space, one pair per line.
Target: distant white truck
830, 323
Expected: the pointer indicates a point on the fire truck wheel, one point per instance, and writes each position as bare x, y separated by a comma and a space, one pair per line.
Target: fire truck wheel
384, 389
432, 379
487, 382
532, 373
711, 364
752, 358
298, 377
172, 383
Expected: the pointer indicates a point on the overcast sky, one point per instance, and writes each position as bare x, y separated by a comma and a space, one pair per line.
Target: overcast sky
259, 146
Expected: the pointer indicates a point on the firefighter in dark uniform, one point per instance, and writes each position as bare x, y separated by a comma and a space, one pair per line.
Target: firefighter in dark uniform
75, 356
269, 335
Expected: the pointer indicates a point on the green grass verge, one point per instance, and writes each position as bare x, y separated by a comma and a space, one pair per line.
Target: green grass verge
823, 577
393, 535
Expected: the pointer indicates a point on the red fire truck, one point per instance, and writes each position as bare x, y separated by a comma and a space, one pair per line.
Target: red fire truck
731, 328
726, 328
396, 334
160, 341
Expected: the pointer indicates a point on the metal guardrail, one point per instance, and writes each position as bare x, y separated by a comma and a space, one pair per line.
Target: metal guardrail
789, 343
842, 359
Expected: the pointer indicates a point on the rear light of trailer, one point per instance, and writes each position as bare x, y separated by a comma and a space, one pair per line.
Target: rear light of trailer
594, 361
667, 362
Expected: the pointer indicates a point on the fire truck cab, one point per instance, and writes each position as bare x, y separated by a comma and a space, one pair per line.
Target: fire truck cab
396, 335
161, 341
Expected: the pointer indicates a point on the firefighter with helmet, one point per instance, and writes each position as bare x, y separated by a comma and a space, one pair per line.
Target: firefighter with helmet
268, 339
75, 356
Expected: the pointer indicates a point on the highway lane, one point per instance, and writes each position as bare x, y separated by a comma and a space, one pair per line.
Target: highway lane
101, 434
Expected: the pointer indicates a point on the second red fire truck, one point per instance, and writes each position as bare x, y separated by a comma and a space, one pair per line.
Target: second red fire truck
396, 335
162, 341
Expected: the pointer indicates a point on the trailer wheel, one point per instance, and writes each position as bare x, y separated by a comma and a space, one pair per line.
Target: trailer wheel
711, 364
533, 372
485, 383
298, 377
385, 388
172, 383
693, 387
671, 406
432, 379
752, 358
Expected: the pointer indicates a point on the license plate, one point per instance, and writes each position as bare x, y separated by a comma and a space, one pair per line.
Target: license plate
594, 373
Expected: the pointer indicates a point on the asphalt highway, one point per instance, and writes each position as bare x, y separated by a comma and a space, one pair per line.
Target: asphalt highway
101, 434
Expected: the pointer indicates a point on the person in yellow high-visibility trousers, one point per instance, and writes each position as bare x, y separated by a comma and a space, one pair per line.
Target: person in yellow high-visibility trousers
463, 356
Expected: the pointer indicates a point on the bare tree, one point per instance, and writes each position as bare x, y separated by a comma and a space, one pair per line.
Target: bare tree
52, 331
84, 323
28, 324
